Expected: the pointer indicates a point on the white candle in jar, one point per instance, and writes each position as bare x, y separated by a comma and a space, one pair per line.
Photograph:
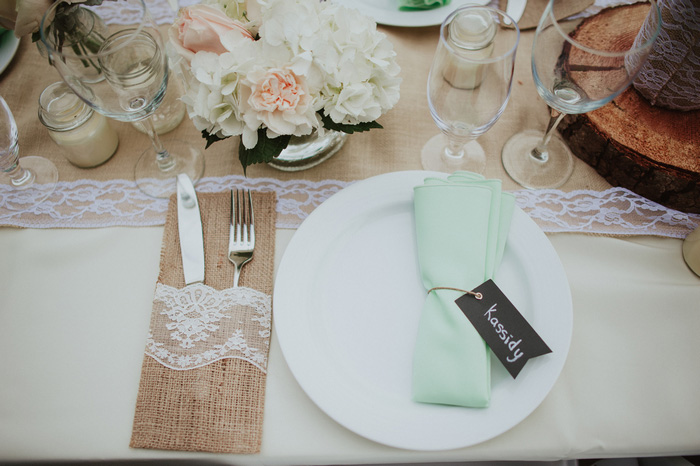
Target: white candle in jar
86, 136
470, 37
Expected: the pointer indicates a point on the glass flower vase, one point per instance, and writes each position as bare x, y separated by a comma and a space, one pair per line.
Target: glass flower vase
304, 152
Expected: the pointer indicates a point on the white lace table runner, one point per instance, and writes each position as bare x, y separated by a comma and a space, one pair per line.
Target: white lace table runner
97, 204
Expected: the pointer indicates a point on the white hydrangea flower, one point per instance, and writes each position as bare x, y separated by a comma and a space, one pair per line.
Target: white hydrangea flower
213, 88
236, 9
359, 64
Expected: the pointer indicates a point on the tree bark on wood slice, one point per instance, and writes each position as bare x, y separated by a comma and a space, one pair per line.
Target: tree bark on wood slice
652, 151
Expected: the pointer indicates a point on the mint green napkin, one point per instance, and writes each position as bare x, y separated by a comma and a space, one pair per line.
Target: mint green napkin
409, 5
462, 225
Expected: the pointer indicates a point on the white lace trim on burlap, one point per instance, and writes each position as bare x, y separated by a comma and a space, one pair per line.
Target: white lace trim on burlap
97, 204
198, 325
100, 204
615, 211
160, 10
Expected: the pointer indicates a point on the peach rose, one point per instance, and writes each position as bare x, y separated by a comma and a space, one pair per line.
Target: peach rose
282, 102
279, 90
201, 28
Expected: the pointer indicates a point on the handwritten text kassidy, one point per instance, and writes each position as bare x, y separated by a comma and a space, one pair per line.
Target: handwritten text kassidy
503, 333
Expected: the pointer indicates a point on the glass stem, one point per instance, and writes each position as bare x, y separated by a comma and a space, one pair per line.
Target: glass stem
454, 148
163, 158
540, 151
20, 177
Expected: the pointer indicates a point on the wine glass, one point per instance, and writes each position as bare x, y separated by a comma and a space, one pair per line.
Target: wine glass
572, 76
29, 180
468, 86
122, 73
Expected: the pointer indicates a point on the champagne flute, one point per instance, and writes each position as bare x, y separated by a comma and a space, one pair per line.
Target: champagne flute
468, 86
123, 74
29, 180
572, 76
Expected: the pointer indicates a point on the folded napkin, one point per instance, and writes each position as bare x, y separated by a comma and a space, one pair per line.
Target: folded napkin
203, 376
410, 5
462, 224
535, 8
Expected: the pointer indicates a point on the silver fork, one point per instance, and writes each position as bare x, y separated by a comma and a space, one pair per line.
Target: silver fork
241, 240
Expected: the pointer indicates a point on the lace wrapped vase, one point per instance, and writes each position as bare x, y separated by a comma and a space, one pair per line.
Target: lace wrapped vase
671, 76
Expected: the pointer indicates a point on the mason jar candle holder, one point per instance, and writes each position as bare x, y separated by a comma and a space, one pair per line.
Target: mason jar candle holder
86, 136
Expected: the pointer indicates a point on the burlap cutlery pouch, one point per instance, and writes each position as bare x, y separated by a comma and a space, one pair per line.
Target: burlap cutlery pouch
190, 403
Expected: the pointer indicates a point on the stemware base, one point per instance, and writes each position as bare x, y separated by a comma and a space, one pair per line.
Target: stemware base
24, 197
531, 172
161, 184
434, 158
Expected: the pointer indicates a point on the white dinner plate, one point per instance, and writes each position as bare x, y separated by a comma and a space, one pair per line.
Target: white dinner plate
387, 12
8, 47
347, 302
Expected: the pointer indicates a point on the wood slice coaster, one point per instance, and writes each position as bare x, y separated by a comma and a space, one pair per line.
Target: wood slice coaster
652, 151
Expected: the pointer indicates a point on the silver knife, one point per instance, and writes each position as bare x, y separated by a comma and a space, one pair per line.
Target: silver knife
189, 224
515, 9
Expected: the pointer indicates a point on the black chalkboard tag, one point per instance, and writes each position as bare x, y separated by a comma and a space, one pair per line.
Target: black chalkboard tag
502, 326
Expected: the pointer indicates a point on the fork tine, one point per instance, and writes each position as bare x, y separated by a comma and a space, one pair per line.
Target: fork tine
252, 218
233, 210
239, 218
244, 218
242, 231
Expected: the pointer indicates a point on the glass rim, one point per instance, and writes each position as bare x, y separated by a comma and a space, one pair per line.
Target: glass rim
128, 36
498, 13
142, 24
66, 119
549, 13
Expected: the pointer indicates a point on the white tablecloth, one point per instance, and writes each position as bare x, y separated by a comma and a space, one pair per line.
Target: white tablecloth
74, 313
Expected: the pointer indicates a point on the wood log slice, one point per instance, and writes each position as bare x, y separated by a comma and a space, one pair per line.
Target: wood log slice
652, 151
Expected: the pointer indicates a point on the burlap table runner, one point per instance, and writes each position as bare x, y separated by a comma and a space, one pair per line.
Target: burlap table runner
103, 196
407, 127
217, 407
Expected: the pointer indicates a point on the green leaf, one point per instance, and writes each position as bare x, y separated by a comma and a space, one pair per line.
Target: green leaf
211, 138
328, 123
264, 151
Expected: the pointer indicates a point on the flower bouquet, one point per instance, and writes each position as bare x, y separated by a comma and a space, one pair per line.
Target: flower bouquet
302, 66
